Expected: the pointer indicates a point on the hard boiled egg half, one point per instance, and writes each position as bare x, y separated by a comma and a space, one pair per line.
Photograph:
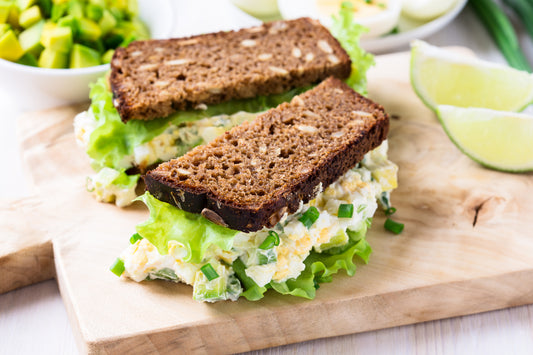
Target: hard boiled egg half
379, 16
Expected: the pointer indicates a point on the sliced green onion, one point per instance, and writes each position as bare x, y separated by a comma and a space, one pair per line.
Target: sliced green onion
390, 211
118, 267
393, 226
361, 208
134, 238
368, 222
345, 210
309, 217
270, 241
209, 272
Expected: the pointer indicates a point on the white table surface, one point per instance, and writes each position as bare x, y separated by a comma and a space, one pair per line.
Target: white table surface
33, 319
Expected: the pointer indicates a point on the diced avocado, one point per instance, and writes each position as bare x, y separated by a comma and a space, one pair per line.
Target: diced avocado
94, 12
46, 7
133, 8
75, 8
58, 2
140, 29
82, 57
56, 37
72, 22
30, 39
5, 9
53, 59
340, 239
10, 48
113, 40
100, 3
58, 10
30, 16
107, 22
13, 17
25, 4
28, 59
106, 58
89, 30
4, 27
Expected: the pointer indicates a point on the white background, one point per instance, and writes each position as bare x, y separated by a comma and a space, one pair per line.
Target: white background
33, 320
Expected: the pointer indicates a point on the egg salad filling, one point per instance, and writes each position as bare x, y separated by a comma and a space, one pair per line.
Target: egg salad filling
112, 185
302, 250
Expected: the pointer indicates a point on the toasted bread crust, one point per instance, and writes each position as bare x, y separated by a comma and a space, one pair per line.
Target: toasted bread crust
155, 78
249, 177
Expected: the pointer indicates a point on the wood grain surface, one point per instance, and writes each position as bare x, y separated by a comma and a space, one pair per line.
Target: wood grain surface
466, 247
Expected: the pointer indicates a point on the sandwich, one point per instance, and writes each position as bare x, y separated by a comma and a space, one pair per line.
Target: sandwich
161, 98
282, 202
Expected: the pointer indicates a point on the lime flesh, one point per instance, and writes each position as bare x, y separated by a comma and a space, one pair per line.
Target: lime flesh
496, 139
441, 77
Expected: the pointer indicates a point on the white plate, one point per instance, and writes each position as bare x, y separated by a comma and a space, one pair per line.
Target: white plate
410, 30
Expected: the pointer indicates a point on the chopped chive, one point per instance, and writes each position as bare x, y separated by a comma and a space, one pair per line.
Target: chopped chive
270, 241
345, 210
390, 211
368, 222
393, 226
209, 272
134, 238
361, 208
118, 267
309, 217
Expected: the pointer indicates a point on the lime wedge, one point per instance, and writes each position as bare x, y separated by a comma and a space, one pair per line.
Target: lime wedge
441, 77
496, 139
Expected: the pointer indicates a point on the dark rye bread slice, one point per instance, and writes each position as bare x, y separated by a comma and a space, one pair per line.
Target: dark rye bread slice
155, 78
249, 177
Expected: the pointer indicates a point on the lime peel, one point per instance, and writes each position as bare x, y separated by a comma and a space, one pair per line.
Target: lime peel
441, 77
496, 139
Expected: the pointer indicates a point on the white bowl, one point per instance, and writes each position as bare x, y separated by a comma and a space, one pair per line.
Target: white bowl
31, 88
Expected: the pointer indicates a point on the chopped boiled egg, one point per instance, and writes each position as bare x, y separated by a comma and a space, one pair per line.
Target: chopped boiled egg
379, 16
426, 9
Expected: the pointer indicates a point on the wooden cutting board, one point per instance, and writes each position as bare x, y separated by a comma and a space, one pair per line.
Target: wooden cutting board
467, 246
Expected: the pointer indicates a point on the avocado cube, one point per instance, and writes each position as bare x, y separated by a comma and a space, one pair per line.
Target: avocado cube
72, 22
107, 22
82, 57
28, 59
10, 48
58, 11
25, 4
100, 3
107, 56
30, 16
53, 59
30, 39
75, 9
94, 12
46, 7
58, 2
13, 17
4, 27
5, 9
133, 8
56, 37
89, 30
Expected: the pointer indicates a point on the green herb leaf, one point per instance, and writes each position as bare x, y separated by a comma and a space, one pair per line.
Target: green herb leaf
270, 241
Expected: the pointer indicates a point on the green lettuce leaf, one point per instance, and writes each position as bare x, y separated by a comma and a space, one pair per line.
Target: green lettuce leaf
319, 268
196, 233
113, 139
348, 34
